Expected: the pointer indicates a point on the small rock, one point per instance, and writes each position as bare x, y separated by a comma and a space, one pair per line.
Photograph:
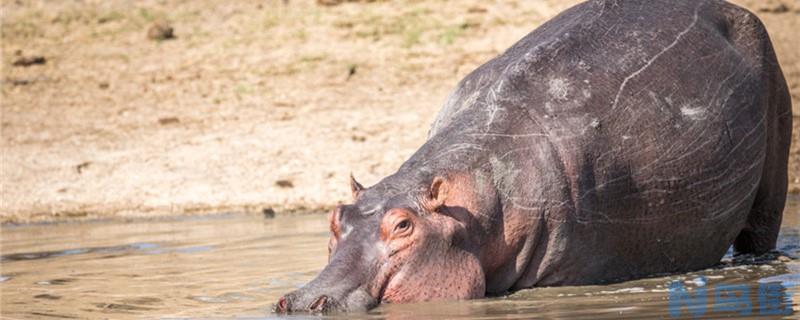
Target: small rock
103, 85
284, 183
351, 71
343, 24
469, 24
780, 8
19, 82
285, 116
784, 259
161, 30
268, 213
82, 167
476, 9
329, 2
337, 2
357, 138
168, 120
283, 104
27, 61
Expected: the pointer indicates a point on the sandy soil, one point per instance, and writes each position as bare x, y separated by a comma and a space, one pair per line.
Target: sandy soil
251, 105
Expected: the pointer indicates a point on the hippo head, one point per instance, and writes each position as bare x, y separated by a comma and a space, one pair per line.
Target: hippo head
391, 246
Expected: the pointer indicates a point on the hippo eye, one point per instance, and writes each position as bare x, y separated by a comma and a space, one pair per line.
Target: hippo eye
402, 226
397, 223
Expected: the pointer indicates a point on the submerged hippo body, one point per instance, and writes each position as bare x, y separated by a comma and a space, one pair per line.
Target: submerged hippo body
619, 140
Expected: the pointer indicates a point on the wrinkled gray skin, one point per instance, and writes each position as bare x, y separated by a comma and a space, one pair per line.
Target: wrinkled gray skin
621, 139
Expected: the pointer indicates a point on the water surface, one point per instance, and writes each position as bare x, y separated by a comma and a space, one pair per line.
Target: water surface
238, 265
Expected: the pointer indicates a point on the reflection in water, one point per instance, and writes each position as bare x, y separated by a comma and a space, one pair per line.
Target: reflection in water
236, 266
53, 254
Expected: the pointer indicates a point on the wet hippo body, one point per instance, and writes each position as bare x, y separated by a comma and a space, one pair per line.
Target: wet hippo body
619, 140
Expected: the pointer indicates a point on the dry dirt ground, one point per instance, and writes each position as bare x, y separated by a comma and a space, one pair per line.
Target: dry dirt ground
250, 105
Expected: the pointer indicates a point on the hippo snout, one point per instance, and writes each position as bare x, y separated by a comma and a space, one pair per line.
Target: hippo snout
314, 301
319, 304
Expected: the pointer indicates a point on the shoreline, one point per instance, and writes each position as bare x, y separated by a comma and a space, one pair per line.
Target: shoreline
264, 211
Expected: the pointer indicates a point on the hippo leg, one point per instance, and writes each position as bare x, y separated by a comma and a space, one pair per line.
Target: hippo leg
763, 223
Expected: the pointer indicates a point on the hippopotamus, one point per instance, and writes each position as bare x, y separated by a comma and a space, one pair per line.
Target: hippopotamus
619, 140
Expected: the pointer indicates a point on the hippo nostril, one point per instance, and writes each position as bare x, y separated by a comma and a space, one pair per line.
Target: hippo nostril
319, 304
282, 306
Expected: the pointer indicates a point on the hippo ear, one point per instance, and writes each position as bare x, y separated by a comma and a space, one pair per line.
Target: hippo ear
437, 194
355, 187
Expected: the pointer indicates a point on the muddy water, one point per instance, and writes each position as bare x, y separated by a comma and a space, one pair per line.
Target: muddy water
237, 266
